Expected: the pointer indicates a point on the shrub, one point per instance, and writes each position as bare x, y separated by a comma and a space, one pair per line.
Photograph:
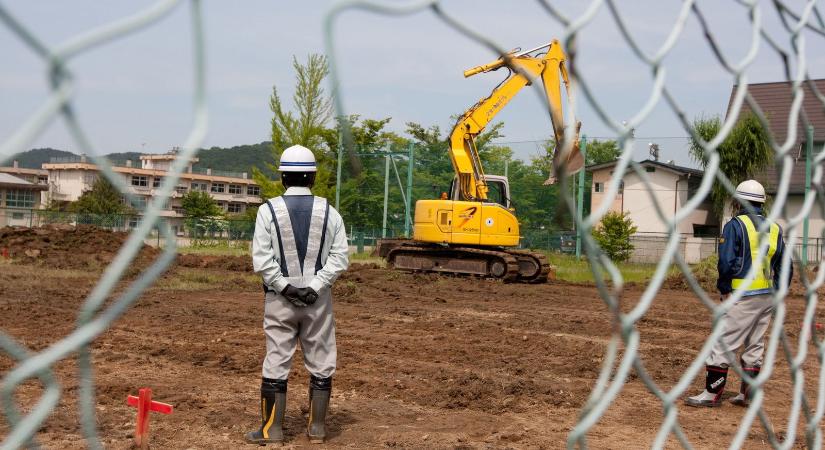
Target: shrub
613, 235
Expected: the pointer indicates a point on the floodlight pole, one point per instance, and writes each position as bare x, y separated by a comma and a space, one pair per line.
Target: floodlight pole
408, 218
580, 200
338, 174
809, 149
386, 194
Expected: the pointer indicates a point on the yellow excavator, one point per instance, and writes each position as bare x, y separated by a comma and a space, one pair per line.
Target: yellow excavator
473, 230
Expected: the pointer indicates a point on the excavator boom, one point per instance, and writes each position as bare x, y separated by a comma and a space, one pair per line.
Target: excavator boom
551, 70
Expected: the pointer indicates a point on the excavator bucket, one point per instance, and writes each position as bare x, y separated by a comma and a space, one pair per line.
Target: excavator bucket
571, 161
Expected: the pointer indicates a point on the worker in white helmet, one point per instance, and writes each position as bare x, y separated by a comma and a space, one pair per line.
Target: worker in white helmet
744, 325
299, 249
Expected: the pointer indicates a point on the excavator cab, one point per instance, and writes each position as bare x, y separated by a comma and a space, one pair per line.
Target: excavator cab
498, 190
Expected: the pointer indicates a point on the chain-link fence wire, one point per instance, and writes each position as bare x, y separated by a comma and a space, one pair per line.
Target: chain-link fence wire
91, 321
622, 353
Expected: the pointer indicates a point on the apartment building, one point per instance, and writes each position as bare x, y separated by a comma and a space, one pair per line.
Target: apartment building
17, 197
38, 177
234, 192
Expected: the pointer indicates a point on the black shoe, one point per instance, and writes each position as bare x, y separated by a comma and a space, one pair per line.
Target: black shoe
319, 393
273, 406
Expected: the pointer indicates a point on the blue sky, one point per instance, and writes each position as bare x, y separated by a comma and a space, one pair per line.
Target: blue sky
134, 94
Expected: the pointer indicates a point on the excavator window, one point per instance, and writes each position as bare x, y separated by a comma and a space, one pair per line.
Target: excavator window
496, 193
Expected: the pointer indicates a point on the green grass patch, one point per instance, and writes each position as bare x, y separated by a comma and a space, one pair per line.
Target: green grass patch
218, 248
188, 279
365, 258
568, 268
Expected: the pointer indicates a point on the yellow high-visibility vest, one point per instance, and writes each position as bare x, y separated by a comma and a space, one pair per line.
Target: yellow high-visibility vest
762, 276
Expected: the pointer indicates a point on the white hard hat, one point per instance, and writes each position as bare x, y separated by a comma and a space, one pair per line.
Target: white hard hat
297, 159
751, 190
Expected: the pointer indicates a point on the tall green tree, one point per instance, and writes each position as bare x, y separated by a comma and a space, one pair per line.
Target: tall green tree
745, 153
305, 124
103, 199
200, 204
599, 152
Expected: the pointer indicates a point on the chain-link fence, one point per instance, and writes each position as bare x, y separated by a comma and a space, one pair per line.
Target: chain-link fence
622, 356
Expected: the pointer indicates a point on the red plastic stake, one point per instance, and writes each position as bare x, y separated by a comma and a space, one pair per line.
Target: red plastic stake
6, 252
144, 405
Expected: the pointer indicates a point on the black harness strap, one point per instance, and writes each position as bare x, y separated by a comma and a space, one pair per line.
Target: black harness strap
318, 265
284, 270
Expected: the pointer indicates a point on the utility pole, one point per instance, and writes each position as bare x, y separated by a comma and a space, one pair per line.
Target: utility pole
408, 218
338, 174
580, 200
386, 194
809, 149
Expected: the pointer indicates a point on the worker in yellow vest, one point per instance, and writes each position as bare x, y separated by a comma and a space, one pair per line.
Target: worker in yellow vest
744, 325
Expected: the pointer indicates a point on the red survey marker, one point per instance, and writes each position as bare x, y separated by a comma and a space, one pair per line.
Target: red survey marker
144, 405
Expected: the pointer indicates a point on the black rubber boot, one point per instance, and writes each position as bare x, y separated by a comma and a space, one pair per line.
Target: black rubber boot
319, 392
714, 388
745, 394
273, 406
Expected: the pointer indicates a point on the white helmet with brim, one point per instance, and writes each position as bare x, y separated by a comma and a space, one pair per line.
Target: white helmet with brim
297, 159
750, 190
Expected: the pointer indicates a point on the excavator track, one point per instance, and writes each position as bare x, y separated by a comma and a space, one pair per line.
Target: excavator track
533, 266
457, 260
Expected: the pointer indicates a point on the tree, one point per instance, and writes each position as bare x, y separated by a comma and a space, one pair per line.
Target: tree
203, 215
613, 235
102, 199
599, 152
200, 204
744, 153
306, 128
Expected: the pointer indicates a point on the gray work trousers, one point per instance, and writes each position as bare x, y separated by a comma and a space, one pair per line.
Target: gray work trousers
314, 325
743, 326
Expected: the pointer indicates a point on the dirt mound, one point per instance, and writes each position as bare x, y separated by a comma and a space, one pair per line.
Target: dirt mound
229, 263
68, 247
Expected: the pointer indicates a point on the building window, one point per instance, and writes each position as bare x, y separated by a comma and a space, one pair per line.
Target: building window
235, 189
197, 186
43, 179
138, 202
218, 188
181, 190
134, 221
234, 208
598, 187
140, 181
17, 216
253, 190
650, 169
156, 181
19, 198
89, 178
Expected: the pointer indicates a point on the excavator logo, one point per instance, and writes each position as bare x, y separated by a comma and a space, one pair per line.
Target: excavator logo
467, 215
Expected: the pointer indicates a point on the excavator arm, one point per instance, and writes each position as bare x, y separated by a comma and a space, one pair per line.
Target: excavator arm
550, 69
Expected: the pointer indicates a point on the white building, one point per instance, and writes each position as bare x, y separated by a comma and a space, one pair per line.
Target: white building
672, 187
69, 178
17, 198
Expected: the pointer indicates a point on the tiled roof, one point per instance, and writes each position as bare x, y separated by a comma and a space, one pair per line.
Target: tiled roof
775, 100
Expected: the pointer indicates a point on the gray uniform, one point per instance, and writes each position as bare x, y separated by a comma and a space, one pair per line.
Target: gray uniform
743, 326
304, 245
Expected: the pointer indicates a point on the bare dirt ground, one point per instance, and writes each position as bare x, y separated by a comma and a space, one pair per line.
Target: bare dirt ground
424, 361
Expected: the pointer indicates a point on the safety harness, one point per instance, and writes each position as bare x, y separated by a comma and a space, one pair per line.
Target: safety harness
298, 274
762, 280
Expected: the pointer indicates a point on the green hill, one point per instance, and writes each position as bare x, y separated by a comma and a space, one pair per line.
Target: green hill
240, 158
35, 158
